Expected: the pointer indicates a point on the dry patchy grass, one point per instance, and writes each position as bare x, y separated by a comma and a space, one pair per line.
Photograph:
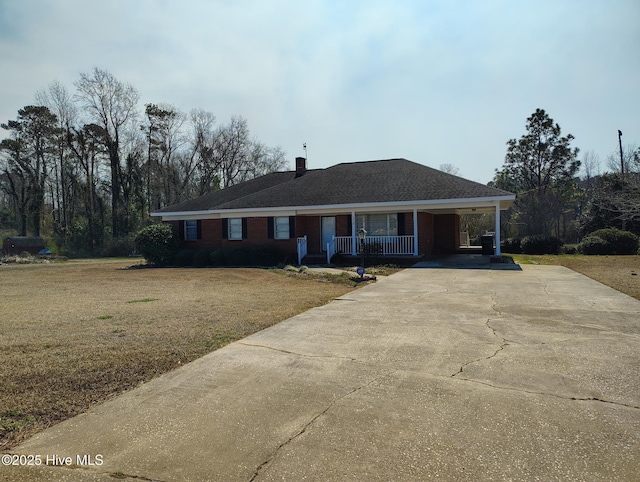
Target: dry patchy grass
619, 272
74, 334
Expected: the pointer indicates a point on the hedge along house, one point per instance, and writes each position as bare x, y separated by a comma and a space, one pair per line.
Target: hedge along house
406, 208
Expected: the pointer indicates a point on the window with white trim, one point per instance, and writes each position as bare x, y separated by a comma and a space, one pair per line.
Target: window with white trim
281, 227
235, 228
191, 230
378, 224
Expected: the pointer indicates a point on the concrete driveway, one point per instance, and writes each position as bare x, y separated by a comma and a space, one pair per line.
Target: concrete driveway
430, 374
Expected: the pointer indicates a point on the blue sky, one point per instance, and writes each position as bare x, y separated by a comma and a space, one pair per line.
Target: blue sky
432, 81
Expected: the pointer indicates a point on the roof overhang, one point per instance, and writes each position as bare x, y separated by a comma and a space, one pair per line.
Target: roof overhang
436, 206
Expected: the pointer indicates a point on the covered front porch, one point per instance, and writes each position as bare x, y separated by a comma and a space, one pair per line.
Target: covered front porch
414, 233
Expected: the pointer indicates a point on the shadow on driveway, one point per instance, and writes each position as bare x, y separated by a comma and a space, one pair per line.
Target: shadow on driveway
467, 261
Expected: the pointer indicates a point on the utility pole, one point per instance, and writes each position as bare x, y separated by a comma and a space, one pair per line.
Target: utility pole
621, 157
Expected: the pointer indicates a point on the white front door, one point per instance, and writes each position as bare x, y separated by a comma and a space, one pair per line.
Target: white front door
328, 230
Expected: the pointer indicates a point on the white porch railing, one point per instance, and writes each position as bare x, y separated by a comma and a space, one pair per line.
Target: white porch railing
302, 249
331, 249
383, 245
343, 244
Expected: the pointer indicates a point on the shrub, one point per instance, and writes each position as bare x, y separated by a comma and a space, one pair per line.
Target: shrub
620, 242
157, 243
238, 257
217, 257
372, 247
593, 245
118, 247
202, 257
184, 257
267, 255
540, 244
566, 249
511, 245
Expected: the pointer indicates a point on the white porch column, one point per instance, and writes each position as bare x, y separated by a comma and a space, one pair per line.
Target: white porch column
498, 228
415, 232
353, 233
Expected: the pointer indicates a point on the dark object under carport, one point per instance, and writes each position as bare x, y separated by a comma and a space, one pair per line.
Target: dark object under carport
487, 244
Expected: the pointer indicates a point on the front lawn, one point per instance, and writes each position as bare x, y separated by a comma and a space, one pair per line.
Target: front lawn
619, 272
74, 334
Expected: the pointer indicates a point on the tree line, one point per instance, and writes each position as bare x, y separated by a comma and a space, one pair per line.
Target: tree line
86, 168
560, 195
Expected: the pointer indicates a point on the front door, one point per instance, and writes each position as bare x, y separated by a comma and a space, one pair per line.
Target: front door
328, 230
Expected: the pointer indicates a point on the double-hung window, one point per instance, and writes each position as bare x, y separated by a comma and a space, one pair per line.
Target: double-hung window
235, 228
191, 230
378, 224
281, 227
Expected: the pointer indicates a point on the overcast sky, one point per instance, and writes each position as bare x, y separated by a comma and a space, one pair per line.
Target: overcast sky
432, 81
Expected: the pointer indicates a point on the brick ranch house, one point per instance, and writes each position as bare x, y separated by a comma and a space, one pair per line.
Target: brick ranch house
407, 209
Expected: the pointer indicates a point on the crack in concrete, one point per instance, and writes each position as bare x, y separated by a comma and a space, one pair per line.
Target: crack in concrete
503, 343
116, 475
311, 422
548, 394
121, 475
506, 342
280, 350
500, 348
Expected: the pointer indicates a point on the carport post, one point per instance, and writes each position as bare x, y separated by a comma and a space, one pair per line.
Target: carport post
498, 228
415, 232
354, 238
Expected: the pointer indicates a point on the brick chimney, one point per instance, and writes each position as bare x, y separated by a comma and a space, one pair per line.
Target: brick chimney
301, 166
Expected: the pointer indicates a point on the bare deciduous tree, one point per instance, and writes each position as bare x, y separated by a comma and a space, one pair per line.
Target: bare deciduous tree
449, 169
112, 105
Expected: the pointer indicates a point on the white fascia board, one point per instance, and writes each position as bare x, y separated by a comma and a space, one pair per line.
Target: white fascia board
187, 215
400, 205
394, 206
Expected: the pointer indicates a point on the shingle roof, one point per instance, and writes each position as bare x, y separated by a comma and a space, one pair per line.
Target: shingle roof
392, 180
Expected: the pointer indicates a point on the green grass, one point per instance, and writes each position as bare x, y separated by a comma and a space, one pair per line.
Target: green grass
143, 300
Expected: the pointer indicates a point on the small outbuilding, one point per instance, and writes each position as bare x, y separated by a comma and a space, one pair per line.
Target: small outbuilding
19, 244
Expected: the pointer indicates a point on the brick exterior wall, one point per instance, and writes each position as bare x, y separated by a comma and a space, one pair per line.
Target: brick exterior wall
437, 233
257, 235
425, 233
447, 229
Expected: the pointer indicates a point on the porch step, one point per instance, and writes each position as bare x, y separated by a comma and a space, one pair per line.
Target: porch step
317, 258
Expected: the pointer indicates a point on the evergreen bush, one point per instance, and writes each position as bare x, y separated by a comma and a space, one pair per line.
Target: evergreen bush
620, 242
594, 245
157, 243
267, 255
540, 244
184, 257
511, 245
202, 257
217, 257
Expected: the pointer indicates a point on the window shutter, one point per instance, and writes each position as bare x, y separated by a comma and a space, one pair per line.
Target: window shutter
244, 228
401, 224
199, 229
181, 229
225, 228
270, 222
349, 225
292, 227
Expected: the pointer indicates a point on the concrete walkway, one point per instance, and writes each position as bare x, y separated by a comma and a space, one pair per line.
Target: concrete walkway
429, 374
